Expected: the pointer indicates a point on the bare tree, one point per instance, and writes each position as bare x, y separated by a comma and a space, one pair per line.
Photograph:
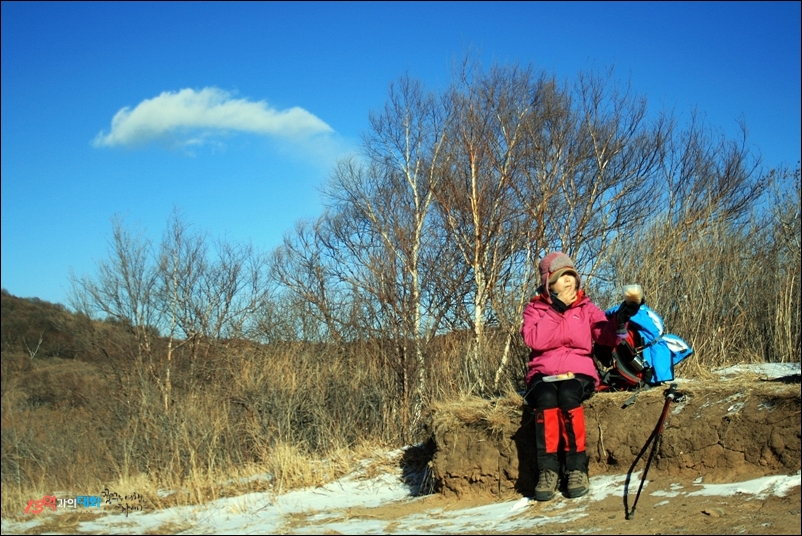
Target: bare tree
609, 194
705, 176
33, 351
124, 289
387, 199
697, 254
306, 267
177, 293
701, 184
486, 146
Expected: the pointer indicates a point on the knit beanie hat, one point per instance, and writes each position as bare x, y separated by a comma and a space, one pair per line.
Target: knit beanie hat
552, 267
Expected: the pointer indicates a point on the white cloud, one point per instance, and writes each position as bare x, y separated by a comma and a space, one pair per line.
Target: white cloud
210, 109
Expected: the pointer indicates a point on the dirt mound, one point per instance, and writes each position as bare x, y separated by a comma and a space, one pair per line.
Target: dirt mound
722, 431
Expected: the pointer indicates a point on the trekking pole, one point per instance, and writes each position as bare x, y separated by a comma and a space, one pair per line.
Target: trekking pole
670, 395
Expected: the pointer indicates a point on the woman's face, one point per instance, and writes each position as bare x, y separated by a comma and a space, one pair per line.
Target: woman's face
565, 281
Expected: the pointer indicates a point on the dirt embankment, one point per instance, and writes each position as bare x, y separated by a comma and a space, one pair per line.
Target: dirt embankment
724, 431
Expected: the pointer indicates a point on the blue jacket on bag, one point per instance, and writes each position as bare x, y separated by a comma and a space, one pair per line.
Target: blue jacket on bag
659, 350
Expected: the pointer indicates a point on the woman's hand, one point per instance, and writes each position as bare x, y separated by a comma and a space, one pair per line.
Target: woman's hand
567, 295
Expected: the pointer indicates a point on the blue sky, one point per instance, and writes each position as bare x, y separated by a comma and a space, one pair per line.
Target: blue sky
235, 112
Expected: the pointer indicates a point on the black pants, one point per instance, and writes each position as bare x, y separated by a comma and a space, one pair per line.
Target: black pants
560, 421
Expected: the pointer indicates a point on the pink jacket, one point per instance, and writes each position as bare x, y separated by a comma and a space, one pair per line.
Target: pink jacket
563, 342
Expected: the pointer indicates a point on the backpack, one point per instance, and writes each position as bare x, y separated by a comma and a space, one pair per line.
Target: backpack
645, 358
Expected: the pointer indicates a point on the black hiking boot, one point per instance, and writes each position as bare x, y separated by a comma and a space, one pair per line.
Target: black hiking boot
578, 484
547, 483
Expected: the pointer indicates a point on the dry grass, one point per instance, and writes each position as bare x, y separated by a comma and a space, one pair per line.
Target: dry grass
204, 448
493, 415
288, 468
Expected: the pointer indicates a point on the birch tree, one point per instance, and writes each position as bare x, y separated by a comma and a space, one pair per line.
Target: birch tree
486, 144
384, 200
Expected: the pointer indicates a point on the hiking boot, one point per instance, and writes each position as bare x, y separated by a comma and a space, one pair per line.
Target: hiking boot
578, 484
547, 484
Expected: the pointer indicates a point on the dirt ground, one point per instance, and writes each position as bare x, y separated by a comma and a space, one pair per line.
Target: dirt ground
740, 514
719, 432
